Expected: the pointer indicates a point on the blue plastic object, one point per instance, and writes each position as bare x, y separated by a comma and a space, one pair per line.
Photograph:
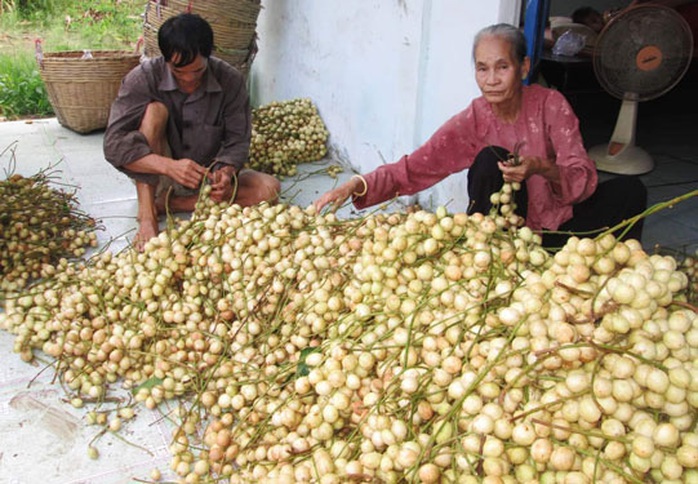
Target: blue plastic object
535, 18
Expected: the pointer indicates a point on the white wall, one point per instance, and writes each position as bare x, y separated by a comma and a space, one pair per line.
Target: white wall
385, 74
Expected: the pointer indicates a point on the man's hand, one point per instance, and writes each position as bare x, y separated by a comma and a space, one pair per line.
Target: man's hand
186, 172
222, 185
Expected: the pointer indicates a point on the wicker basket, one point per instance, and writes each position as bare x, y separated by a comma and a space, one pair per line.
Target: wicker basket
81, 90
233, 23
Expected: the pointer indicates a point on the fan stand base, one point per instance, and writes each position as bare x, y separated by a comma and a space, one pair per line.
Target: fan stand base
631, 160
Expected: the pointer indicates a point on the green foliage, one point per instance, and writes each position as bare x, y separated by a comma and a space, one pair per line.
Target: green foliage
29, 10
105, 24
62, 25
22, 92
116, 12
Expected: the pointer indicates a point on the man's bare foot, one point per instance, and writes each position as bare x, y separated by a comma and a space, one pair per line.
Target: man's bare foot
147, 229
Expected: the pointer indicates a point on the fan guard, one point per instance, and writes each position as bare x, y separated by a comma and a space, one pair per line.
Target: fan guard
641, 54
643, 51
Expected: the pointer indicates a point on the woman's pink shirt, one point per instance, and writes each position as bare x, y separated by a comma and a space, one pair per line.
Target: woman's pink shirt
546, 127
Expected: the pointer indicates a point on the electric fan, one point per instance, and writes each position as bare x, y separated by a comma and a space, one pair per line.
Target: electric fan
641, 54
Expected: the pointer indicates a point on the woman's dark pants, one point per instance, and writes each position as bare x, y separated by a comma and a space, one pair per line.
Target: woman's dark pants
614, 200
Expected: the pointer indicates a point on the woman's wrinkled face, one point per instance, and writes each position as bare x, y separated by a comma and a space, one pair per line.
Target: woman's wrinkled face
497, 72
189, 77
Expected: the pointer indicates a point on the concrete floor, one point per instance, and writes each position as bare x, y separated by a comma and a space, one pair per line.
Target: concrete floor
103, 192
667, 129
44, 439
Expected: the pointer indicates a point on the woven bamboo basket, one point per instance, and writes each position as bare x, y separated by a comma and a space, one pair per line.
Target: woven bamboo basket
81, 90
233, 23
240, 14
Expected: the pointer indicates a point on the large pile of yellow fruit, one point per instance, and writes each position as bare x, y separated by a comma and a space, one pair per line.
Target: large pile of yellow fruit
284, 134
421, 347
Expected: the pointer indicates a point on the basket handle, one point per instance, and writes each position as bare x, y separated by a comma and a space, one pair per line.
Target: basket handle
163, 3
39, 53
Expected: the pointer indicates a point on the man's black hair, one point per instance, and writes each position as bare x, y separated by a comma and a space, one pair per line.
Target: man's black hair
580, 15
187, 35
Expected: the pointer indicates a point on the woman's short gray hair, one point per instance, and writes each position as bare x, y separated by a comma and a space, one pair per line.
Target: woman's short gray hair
507, 32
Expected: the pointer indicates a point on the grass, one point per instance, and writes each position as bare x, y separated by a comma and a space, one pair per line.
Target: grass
22, 92
61, 25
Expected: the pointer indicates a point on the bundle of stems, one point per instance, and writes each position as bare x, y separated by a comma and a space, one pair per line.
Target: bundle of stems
40, 224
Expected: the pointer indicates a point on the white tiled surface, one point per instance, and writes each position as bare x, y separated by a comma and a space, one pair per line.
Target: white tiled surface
44, 439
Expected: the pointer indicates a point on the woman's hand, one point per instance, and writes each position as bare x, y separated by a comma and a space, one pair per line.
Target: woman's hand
527, 166
519, 172
339, 195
